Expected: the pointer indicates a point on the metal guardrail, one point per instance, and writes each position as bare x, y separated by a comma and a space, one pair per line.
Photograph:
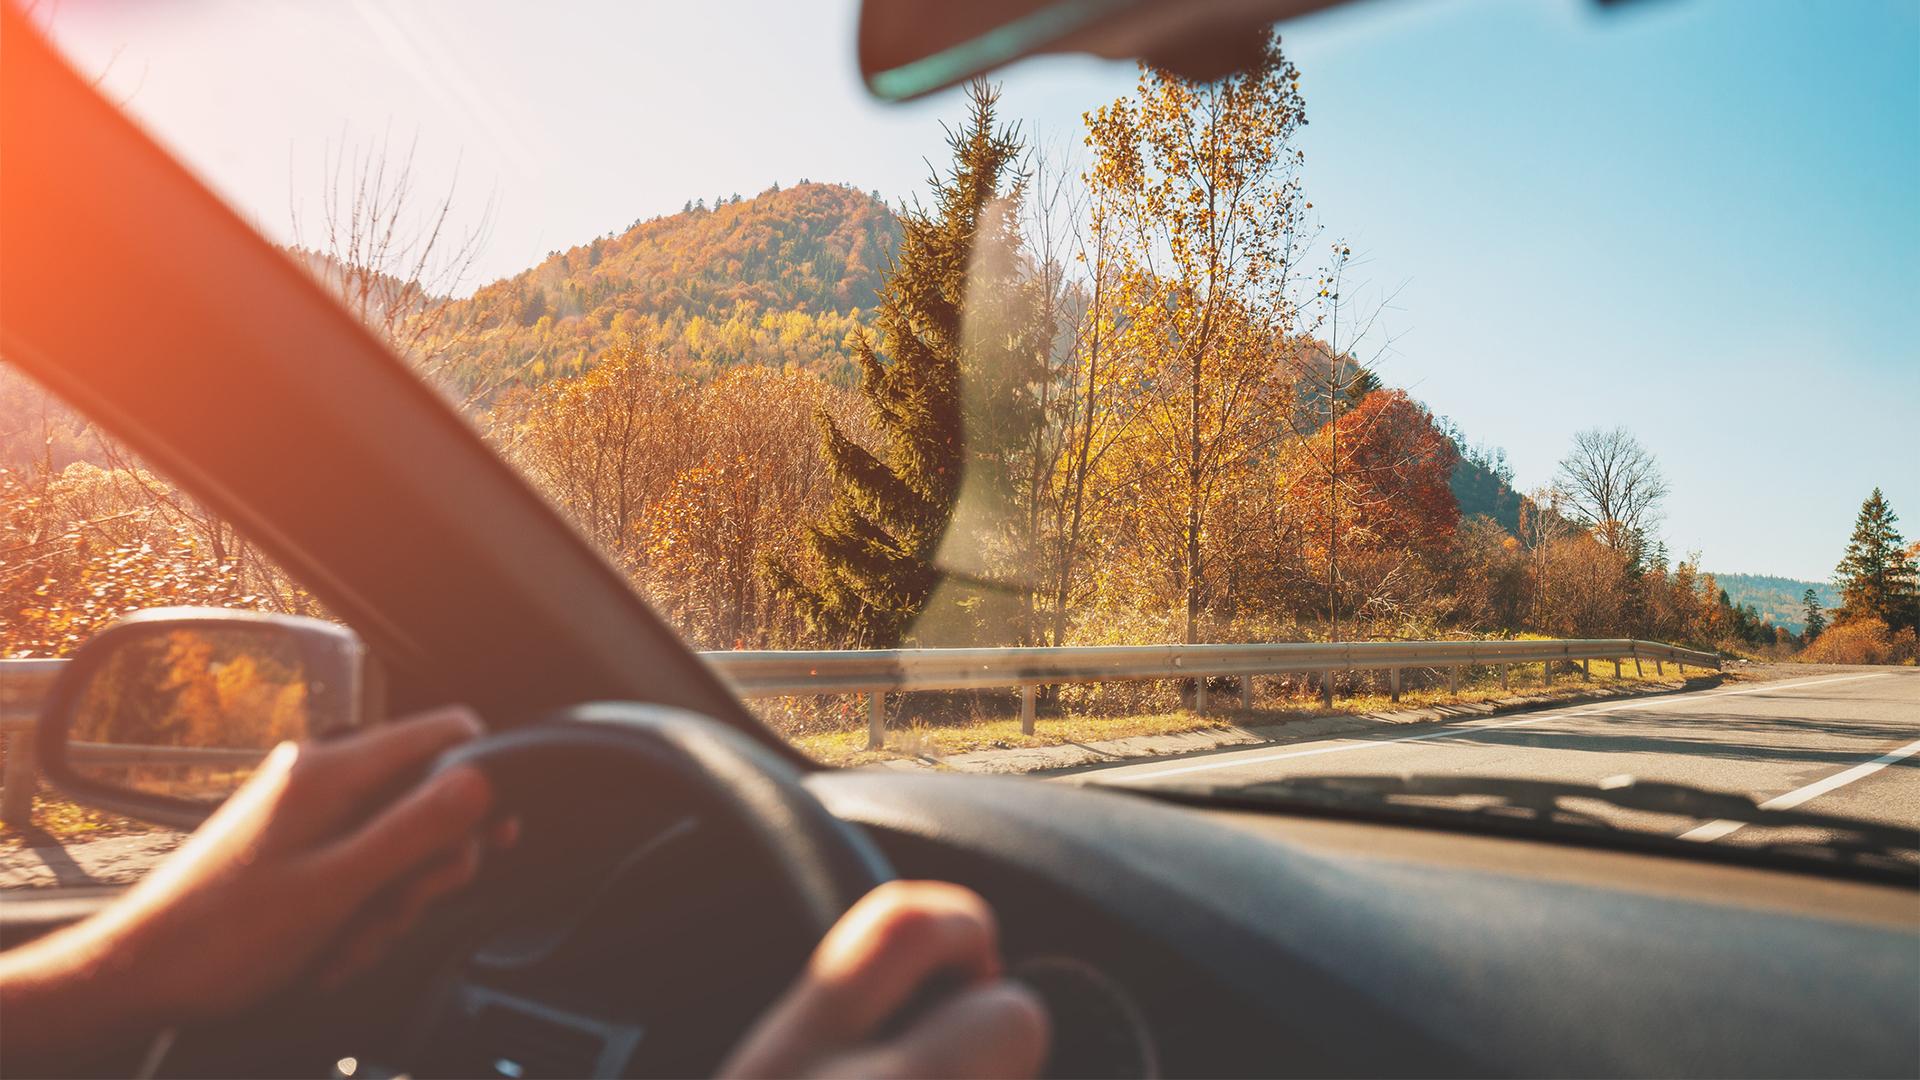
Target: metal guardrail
883, 671
879, 672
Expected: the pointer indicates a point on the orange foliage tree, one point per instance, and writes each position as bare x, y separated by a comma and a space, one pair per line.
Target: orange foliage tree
687, 486
1370, 492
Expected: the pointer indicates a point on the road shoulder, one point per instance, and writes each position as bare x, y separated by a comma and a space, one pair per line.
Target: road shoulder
1070, 757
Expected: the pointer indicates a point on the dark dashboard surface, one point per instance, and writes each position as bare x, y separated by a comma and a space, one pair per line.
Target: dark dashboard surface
1262, 944
1228, 942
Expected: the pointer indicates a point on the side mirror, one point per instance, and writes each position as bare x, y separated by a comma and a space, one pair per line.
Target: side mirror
161, 716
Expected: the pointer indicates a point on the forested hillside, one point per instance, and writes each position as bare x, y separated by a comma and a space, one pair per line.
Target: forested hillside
781, 278
1778, 600
1483, 485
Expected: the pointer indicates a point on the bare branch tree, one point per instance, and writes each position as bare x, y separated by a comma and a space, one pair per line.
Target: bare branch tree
1073, 241
1612, 485
396, 262
1051, 208
1332, 380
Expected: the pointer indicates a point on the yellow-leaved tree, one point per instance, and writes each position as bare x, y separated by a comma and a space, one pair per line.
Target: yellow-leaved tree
1202, 182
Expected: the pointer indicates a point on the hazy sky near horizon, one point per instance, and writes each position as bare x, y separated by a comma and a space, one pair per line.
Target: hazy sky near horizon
1698, 219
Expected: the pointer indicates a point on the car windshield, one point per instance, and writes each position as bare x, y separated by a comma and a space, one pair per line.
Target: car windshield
1490, 393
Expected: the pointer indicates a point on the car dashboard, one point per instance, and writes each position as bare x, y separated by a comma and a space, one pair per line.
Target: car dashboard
1269, 944
1179, 940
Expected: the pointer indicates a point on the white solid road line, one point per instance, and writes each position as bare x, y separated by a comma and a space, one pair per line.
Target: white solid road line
1238, 760
1714, 830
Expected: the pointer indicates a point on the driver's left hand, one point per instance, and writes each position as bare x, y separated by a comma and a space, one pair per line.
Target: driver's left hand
320, 862
325, 857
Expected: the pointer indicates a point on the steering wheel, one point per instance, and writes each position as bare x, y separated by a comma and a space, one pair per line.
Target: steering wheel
601, 791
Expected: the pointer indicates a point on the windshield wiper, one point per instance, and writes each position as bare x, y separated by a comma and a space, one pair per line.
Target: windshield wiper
1550, 807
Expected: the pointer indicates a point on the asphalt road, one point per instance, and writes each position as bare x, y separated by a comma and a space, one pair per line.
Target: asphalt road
1845, 744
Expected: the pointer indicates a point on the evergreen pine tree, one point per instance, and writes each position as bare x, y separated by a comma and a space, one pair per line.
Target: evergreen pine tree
1816, 619
1877, 578
1364, 382
877, 540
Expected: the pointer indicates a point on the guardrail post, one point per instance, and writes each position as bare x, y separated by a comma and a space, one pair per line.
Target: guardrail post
1326, 688
1453, 680
1503, 676
1616, 667
1548, 666
1199, 693
1638, 671
1682, 665
1393, 684
1586, 671
1026, 709
876, 719
1246, 692
22, 778
1659, 667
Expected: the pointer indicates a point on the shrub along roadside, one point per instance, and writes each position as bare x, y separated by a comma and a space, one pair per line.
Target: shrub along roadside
1862, 641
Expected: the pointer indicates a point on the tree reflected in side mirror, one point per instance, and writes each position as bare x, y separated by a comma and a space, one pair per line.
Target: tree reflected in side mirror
164, 715
225, 696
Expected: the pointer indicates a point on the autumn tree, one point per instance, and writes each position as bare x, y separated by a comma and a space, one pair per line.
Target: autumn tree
89, 534
877, 544
1376, 483
758, 469
1489, 587
1080, 398
1578, 593
1329, 382
1203, 180
606, 445
1877, 577
687, 486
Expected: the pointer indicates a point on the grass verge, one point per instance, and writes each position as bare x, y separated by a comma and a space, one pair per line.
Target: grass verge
935, 737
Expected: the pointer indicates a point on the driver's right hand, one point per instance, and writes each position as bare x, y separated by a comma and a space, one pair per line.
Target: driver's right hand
844, 1016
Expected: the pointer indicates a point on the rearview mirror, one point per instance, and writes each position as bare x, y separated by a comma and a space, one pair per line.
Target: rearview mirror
161, 716
910, 47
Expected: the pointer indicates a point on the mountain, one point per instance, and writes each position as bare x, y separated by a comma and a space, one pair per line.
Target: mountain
1777, 599
781, 278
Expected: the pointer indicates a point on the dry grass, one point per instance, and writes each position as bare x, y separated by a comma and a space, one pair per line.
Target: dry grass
939, 736
999, 733
60, 820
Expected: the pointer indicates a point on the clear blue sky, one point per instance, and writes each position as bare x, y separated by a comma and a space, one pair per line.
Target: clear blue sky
1696, 218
